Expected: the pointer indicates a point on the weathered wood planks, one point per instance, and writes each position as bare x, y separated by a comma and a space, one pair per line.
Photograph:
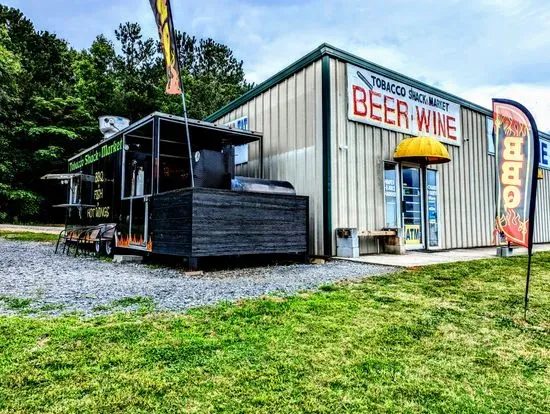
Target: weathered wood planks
207, 222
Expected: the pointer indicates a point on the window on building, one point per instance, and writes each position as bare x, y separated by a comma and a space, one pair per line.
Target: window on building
391, 201
490, 137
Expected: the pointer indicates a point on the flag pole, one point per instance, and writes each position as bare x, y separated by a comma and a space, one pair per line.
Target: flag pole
176, 47
530, 253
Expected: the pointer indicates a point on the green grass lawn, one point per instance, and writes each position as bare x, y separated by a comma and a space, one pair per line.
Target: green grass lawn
28, 236
445, 338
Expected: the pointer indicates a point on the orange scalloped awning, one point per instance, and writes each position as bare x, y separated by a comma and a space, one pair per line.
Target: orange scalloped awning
422, 150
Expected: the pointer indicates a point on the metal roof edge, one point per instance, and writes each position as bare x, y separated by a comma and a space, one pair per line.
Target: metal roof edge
129, 128
301, 63
167, 117
327, 49
356, 60
206, 124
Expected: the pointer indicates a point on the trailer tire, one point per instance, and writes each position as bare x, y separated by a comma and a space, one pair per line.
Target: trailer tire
109, 247
99, 247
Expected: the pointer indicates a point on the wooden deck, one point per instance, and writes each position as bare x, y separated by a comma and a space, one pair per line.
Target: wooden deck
203, 222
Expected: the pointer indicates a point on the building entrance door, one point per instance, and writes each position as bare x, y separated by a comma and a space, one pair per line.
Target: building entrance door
432, 208
412, 207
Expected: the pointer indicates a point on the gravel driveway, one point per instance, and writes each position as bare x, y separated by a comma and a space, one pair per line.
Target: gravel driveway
37, 281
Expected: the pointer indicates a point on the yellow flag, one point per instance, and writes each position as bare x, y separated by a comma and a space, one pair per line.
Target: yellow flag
162, 11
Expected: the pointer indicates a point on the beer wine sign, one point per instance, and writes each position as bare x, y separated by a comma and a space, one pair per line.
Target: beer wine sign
383, 102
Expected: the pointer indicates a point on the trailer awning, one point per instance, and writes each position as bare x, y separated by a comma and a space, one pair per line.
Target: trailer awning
68, 176
206, 134
422, 150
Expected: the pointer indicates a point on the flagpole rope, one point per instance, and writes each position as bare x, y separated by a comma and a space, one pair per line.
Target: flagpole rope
176, 47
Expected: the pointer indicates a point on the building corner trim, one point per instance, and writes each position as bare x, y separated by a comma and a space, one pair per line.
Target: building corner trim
327, 163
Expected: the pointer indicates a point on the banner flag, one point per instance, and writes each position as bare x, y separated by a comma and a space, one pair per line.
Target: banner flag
163, 17
517, 160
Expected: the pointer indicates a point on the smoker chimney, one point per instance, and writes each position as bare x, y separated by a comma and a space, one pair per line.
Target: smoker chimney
110, 124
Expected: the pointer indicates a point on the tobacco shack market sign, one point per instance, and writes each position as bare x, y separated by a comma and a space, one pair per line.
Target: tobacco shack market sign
380, 101
95, 155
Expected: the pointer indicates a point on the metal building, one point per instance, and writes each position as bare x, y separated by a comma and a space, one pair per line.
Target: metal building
331, 123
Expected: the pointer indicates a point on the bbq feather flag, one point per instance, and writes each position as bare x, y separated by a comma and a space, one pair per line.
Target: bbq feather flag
163, 17
517, 160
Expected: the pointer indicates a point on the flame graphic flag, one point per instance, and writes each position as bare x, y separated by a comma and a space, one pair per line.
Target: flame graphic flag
163, 17
517, 160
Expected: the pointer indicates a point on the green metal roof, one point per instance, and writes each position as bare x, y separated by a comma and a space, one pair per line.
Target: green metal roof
328, 50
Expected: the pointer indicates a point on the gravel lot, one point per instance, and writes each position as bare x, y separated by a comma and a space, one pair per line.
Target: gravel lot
57, 283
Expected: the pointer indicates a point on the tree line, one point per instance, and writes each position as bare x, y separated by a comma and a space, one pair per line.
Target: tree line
52, 94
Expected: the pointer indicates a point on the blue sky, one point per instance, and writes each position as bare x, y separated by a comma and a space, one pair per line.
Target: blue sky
475, 49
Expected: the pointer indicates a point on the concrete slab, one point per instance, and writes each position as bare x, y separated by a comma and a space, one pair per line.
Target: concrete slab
423, 258
127, 258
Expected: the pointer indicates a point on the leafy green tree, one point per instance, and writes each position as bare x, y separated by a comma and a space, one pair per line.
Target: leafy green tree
10, 69
212, 75
51, 96
96, 84
44, 121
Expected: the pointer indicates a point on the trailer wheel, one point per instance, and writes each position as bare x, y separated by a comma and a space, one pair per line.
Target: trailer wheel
99, 247
109, 247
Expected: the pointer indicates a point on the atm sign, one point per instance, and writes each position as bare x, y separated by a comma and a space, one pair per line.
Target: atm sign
544, 160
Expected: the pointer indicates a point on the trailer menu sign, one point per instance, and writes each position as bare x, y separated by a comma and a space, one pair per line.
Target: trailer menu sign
380, 101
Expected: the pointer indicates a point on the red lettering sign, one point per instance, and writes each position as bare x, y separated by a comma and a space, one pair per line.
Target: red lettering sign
388, 109
423, 120
375, 105
359, 100
402, 111
451, 127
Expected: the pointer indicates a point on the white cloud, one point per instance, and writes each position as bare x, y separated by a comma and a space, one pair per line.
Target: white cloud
536, 98
476, 49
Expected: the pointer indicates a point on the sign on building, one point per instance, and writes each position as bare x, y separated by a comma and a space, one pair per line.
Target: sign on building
241, 151
380, 101
544, 159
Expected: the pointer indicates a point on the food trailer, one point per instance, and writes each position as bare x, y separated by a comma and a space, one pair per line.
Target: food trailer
144, 189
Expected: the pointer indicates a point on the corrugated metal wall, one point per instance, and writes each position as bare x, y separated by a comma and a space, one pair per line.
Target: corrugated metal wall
358, 150
290, 117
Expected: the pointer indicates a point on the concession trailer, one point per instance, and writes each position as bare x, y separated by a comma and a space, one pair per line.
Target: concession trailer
144, 189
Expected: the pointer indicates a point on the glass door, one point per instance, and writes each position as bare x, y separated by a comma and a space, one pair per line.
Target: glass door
137, 187
432, 189
413, 225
